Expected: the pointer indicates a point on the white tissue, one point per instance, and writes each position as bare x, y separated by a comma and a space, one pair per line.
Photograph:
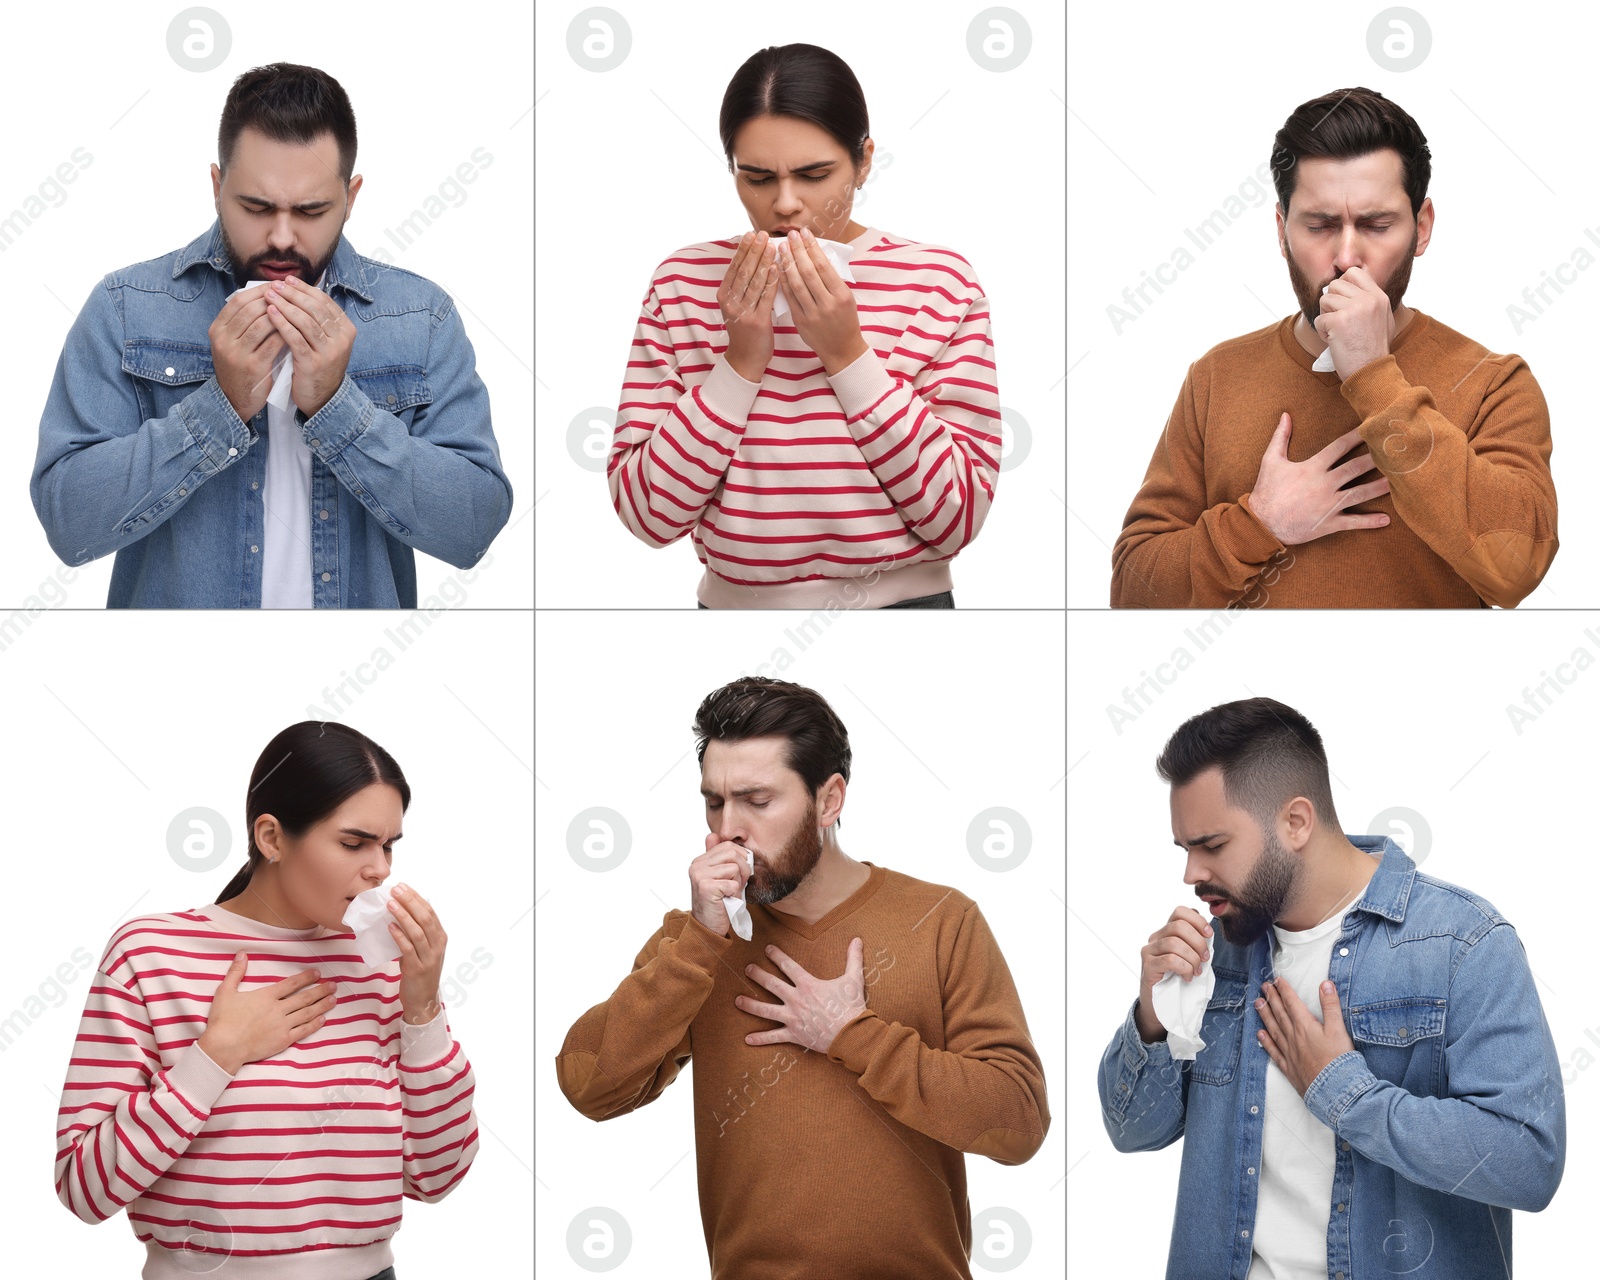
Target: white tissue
738, 913
836, 253
1180, 1007
368, 916
1324, 362
282, 367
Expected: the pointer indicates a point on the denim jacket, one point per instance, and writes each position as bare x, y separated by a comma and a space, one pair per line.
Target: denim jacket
140, 452
1448, 1114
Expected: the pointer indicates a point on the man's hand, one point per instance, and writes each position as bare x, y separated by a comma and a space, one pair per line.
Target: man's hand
1300, 501
813, 1009
1300, 1045
1357, 322
244, 347
319, 335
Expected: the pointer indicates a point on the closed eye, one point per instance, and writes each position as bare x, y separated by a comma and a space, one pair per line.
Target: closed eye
761, 182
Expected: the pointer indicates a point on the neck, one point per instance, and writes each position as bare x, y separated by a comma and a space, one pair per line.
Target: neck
1333, 878
835, 877
263, 902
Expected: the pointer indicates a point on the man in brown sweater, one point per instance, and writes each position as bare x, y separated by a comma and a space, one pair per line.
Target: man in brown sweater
845, 1056
1251, 498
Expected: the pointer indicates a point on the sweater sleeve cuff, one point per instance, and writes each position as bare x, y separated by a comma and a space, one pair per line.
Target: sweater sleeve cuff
861, 384
855, 1042
425, 1044
1244, 537
1374, 386
729, 394
196, 1079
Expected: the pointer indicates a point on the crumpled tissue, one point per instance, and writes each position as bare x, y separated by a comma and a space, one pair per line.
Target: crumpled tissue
1323, 363
837, 254
738, 913
1180, 1007
368, 916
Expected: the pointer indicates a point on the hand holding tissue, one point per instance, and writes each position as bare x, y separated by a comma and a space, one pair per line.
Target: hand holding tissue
282, 367
838, 256
368, 916
738, 913
1180, 1006
1324, 362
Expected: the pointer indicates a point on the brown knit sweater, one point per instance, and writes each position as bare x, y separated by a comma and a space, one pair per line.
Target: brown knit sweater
847, 1165
1462, 434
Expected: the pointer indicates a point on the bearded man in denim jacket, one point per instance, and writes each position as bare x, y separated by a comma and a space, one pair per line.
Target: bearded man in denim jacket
1376, 1087
159, 443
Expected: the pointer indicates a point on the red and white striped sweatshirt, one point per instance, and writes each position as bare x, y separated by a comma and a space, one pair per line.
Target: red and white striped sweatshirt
294, 1167
806, 490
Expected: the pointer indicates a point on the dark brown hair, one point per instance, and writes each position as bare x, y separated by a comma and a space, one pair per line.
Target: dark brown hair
288, 103
804, 81
1342, 125
304, 774
1268, 752
759, 707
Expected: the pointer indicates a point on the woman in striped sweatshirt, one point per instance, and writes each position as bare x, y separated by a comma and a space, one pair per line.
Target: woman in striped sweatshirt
256, 1097
839, 455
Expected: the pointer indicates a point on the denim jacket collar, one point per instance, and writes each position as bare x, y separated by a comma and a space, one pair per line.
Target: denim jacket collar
1390, 887
207, 248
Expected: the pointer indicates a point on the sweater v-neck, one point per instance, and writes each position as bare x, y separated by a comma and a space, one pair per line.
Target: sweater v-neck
852, 904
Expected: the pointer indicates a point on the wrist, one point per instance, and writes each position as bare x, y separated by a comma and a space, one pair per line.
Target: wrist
417, 1012
224, 1057
833, 362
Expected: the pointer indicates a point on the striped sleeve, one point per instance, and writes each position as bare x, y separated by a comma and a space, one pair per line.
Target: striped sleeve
124, 1120
672, 447
440, 1138
932, 440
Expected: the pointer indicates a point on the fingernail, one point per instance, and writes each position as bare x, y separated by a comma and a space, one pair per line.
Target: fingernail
806, 232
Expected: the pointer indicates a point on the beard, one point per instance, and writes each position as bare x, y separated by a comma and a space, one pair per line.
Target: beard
1256, 907
776, 878
244, 272
1309, 296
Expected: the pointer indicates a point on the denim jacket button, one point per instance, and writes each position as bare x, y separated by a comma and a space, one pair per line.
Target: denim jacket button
322, 515
326, 576
254, 548
233, 453
390, 398
1253, 1110
1344, 951
182, 493
315, 443
170, 371
255, 484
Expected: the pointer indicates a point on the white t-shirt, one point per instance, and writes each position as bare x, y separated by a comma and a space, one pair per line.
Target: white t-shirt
286, 509
1297, 1154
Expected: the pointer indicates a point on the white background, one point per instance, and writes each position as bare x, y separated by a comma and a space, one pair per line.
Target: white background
1163, 131
930, 750
1411, 714
151, 128
111, 739
630, 162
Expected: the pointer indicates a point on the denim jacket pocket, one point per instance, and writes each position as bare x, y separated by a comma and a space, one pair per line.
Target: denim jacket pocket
395, 388
164, 371
1221, 1029
1388, 1034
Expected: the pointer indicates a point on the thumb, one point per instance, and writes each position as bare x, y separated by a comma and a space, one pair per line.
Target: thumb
712, 840
1280, 437
1330, 997
852, 962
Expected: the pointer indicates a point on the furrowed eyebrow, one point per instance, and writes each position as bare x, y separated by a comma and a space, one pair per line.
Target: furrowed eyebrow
365, 835
310, 206
1197, 840
1366, 215
804, 168
738, 791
